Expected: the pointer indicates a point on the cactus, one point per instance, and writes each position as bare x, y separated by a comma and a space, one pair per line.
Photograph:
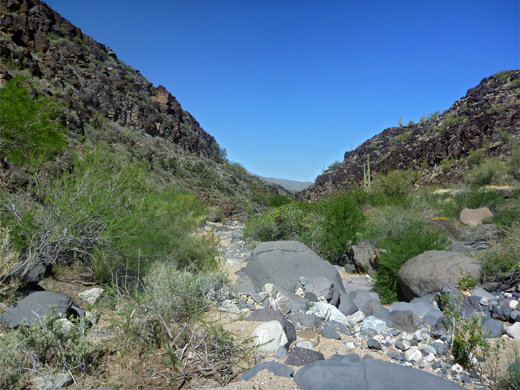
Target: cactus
367, 178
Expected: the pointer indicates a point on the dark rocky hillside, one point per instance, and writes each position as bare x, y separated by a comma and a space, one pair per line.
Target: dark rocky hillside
105, 99
486, 119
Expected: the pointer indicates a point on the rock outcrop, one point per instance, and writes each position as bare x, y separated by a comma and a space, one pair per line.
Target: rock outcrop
478, 120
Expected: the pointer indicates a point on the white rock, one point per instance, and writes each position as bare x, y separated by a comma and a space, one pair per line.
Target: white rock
429, 358
413, 354
457, 368
283, 304
356, 317
269, 336
350, 345
421, 334
229, 307
91, 296
514, 331
270, 289
513, 304
328, 312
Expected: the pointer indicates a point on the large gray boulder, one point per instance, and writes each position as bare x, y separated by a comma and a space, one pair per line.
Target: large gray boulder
35, 306
367, 374
283, 263
426, 273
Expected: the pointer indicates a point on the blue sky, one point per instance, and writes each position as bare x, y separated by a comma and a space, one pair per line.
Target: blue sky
287, 86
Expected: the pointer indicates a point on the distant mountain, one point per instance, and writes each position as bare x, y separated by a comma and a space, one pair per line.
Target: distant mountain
289, 185
486, 119
106, 100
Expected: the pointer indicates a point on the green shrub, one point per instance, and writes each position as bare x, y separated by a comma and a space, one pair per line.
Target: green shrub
449, 121
396, 183
29, 129
468, 335
401, 245
106, 208
510, 380
292, 221
513, 162
495, 109
328, 227
342, 220
169, 296
476, 157
278, 200
490, 171
503, 75
472, 199
46, 344
503, 259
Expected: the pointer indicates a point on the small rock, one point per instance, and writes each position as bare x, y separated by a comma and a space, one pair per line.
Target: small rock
328, 312
269, 336
357, 317
514, 331
302, 357
374, 344
274, 367
330, 333
91, 296
474, 217
513, 304
283, 304
440, 347
372, 326
281, 353
403, 345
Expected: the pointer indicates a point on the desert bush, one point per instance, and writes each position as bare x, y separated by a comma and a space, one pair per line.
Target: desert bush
472, 199
328, 227
293, 221
46, 344
105, 207
396, 183
451, 120
400, 245
342, 219
171, 302
468, 334
510, 380
278, 200
503, 259
8, 260
513, 162
489, 171
29, 130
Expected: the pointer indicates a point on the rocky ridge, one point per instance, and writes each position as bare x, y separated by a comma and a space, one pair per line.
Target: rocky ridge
481, 119
105, 100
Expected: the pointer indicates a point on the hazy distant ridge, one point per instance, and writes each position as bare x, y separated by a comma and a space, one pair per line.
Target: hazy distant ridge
289, 185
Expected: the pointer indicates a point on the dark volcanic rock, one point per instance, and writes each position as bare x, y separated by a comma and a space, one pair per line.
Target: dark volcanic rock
33, 307
424, 145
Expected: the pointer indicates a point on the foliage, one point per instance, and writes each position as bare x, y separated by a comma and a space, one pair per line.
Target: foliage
342, 220
503, 75
169, 296
472, 199
106, 213
510, 380
450, 120
503, 259
401, 245
278, 200
28, 124
292, 221
46, 343
8, 260
396, 183
495, 109
329, 227
490, 171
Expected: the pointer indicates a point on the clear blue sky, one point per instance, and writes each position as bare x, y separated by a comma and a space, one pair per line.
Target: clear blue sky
287, 86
